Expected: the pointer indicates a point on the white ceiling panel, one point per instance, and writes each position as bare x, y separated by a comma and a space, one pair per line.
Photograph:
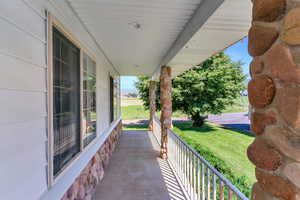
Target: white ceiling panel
135, 34
140, 35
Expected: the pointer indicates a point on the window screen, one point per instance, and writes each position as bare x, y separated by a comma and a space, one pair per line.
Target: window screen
89, 100
66, 100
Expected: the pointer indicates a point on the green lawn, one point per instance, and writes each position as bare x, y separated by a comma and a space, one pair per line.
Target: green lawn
230, 146
135, 127
126, 101
134, 112
139, 112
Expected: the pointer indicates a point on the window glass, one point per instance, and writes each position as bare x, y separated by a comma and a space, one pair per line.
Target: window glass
114, 98
89, 100
66, 101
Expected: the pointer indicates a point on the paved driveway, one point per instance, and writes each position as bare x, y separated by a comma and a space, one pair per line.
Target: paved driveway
232, 120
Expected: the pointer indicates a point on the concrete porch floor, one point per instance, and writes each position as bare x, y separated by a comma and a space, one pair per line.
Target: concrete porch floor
135, 172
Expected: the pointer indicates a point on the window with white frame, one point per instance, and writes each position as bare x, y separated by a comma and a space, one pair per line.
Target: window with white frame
89, 100
74, 101
66, 101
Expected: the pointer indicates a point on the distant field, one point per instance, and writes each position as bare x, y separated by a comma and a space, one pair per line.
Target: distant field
132, 108
139, 112
131, 102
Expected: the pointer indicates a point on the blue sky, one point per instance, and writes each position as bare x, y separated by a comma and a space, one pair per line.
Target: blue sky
237, 52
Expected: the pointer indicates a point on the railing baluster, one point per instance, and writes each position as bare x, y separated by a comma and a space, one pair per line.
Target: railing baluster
189, 172
221, 190
208, 184
203, 181
214, 187
198, 179
229, 194
185, 167
195, 176
177, 155
180, 164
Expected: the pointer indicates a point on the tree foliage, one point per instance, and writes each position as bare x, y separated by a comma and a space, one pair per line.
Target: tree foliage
207, 88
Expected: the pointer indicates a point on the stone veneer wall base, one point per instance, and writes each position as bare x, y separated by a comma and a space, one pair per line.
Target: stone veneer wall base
84, 186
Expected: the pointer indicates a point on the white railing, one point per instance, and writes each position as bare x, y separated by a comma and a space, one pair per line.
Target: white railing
200, 180
157, 129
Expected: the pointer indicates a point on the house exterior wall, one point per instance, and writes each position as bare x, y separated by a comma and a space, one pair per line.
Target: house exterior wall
23, 98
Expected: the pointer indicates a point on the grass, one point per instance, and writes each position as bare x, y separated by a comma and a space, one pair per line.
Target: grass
230, 146
131, 101
224, 149
139, 112
135, 127
134, 112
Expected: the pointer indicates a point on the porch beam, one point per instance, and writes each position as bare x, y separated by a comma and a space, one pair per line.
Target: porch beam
152, 102
205, 9
274, 93
166, 108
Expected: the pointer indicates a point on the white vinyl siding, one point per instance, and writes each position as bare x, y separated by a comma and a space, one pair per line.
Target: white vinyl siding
23, 102
23, 96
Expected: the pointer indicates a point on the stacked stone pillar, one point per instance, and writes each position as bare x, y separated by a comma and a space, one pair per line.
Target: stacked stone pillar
152, 102
166, 108
274, 93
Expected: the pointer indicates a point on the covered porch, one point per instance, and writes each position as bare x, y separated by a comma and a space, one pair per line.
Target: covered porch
137, 172
61, 126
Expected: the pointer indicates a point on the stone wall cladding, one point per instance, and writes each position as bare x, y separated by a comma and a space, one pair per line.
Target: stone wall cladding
274, 93
84, 186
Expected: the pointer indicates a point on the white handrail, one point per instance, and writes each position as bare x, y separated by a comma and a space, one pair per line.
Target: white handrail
200, 180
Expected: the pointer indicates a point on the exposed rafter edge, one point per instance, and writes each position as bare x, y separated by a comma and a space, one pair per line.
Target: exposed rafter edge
200, 16
92, 36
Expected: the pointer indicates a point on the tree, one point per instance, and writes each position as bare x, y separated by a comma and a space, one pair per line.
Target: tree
142, 85
204, 89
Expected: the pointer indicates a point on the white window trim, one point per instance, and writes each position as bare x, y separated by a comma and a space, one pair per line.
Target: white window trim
53, 22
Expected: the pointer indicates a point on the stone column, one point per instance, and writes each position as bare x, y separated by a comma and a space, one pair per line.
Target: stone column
166, 108
152, 99
274, 93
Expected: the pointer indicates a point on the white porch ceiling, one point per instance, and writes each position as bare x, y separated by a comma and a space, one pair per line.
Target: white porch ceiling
140, 51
